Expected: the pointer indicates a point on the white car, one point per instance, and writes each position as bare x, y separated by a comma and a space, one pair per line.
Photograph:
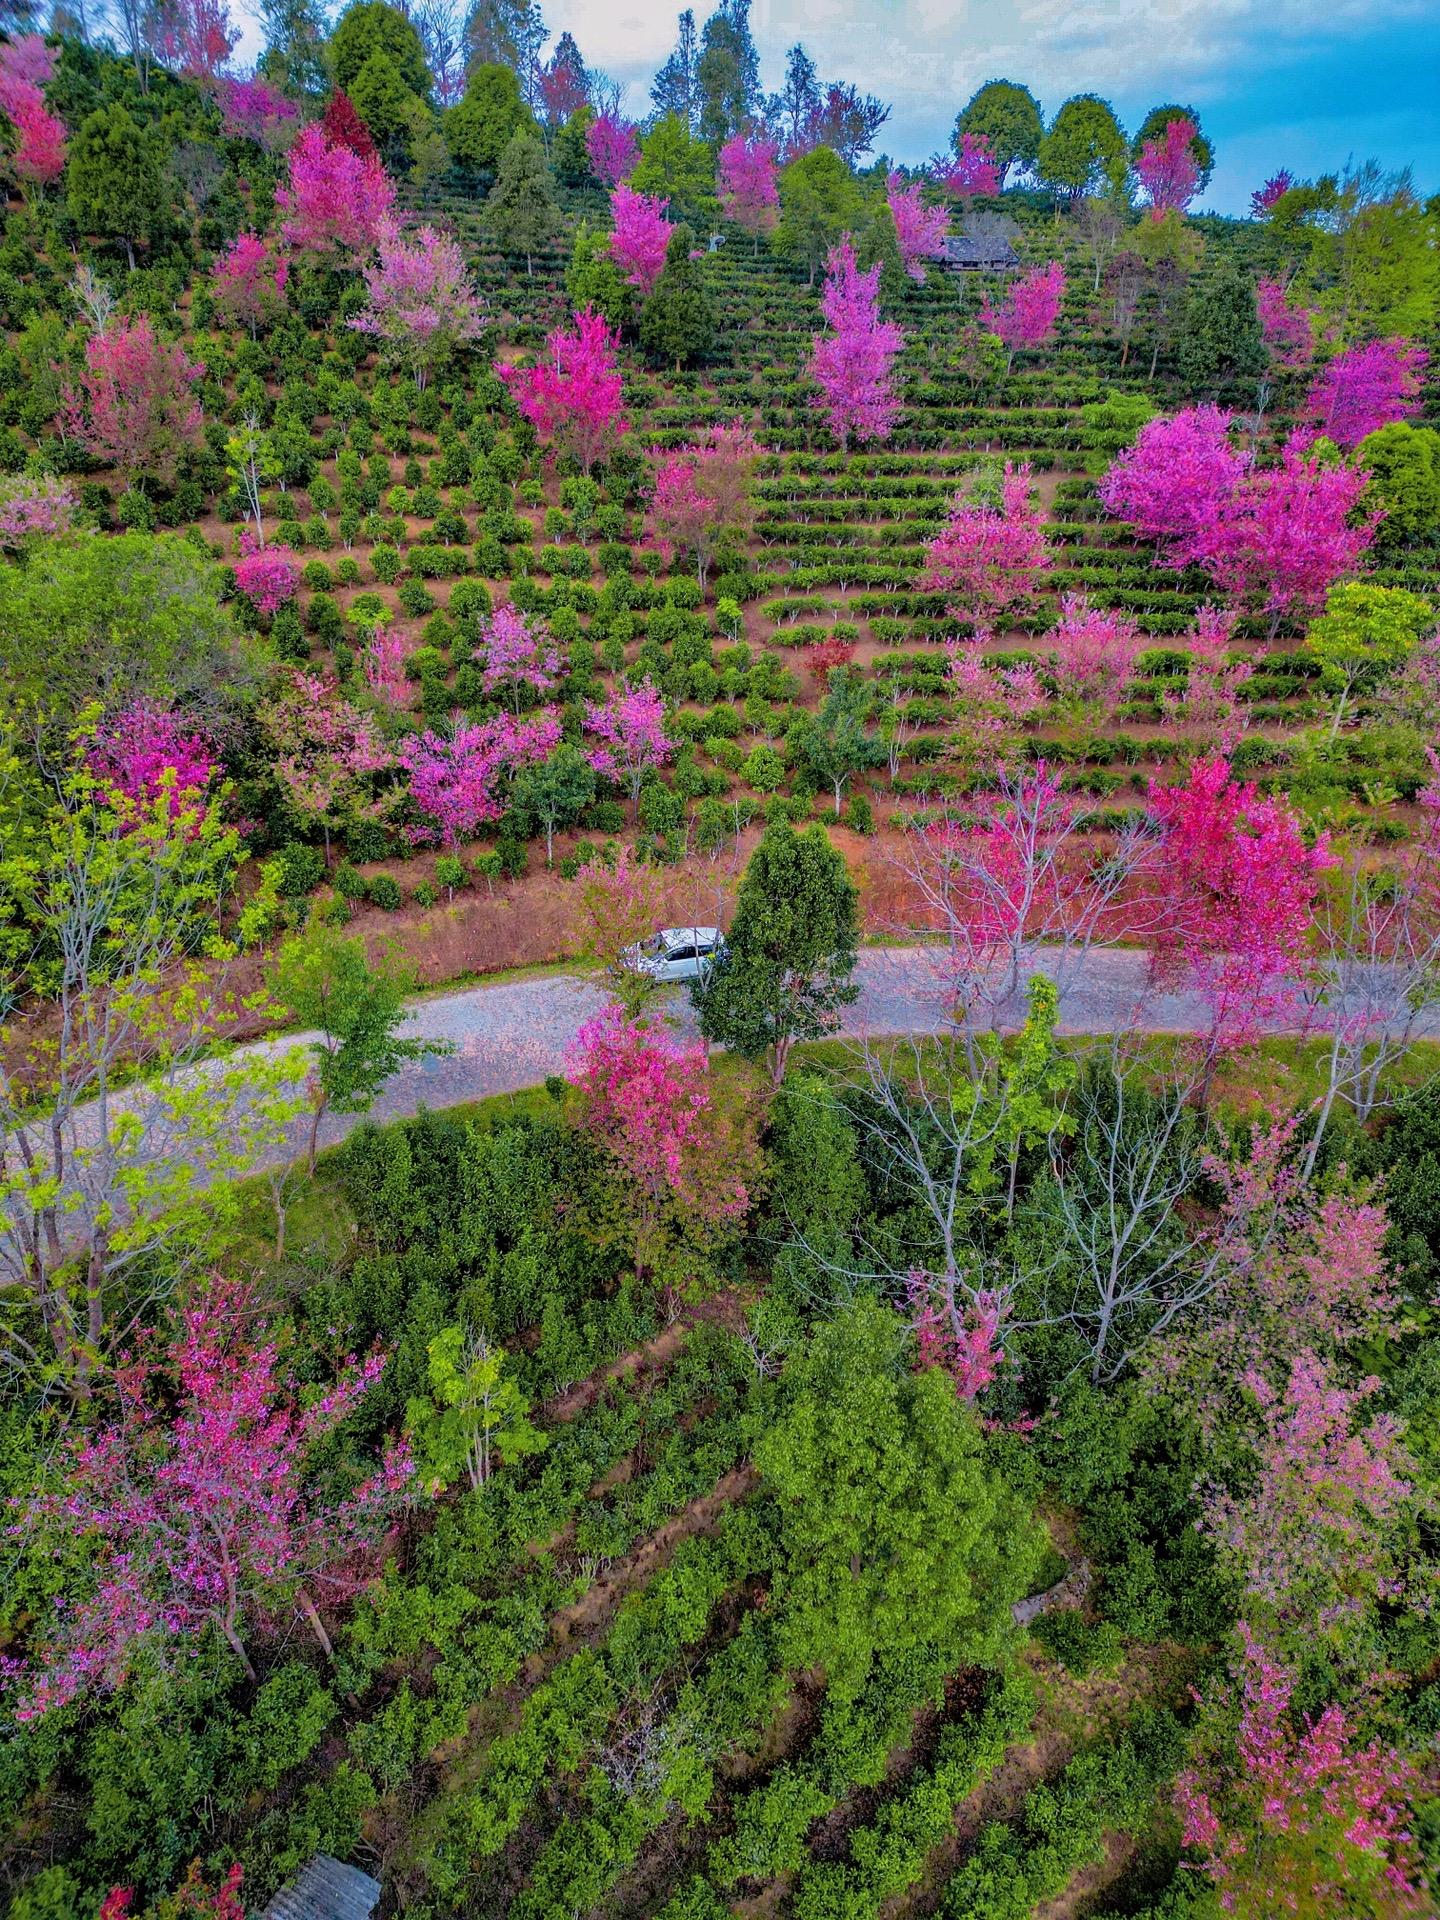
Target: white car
675, 953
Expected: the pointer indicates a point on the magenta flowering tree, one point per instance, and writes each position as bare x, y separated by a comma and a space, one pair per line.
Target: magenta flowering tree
749, 184
960, 1336
639, 237
25, 62
192, 1509
1367, 387
853, 364
1026, 316
134, 408
254, 110
920, 230
38, 159
1094, 651
456, 779
971, 174
989, 705
1167, 169
146, 756
630, 729
1278, 1806
1289, 331
1171, 483
33, 504
385, 658
990, 557
338, 201
1239, 896
515, 653
612, 149
1264, 198
702, 493
1286, 534
248, 283
422, 308
1212, 687
325, 753
269, 577
572, 397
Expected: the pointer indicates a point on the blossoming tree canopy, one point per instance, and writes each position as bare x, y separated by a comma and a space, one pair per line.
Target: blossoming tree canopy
702, 493
853, 364
147, 755
1026, 315
338, 202
422, 307
611, 148
973, 173
630, 729
249, 282
572, 395
920, 230
1367, 387
1171, 483
991, 554
457, 779
135, 408
639, 237
749, 183
1168, 170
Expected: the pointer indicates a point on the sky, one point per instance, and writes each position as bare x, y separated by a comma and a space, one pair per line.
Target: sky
1275, 82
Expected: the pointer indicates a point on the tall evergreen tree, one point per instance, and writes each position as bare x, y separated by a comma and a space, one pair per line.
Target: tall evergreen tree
727, 75
674, 88
294, 56
521, 206
799, 98
677, 322
507, 33
1219, 338
114, 186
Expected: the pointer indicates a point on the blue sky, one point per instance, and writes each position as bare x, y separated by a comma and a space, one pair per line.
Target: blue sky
1276, 82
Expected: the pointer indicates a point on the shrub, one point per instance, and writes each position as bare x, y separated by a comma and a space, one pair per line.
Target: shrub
302, 869
383, 891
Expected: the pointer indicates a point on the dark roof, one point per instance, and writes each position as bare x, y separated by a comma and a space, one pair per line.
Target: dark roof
990, 250
325, 1890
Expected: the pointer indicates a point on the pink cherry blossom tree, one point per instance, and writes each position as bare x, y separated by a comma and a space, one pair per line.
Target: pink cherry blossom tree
853, 364
1167, 169
385, 658
38, 159
31, 505
1264, 198
612, 149
1286, 534
989, 705
1170, 484
325, 753
422, 307
248, 283
630, 729
1212, 687
1027, 314
990, 558
147, 756
971, 174
269, 577
25, 62
134, 408
639, 236
254, 110
1367, 387
338, 201
1094, 651
702, 493
457, 779
920, 230
515, 653
749, 184
191, 1509
1277, 1806
1289, 330
960, 1336
1239, 893
572, 397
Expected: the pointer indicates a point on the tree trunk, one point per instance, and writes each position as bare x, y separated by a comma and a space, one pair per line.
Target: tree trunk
316, 1624
315, 1134
130, 257
237, 1647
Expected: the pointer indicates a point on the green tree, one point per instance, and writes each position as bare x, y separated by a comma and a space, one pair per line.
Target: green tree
593, 279
1034, 1077
108, 622
327, 983
1387, 269
521, 205
1085, 148
1219, 339
480, 128
1403, 462
1365, 633
895, 1537
568, 152
819, 200
790, 952
1153, 126
550, 795
677, 322
473, 1416
727, 74
834, 744
390, 109
877, 240
678, 167
114, 185
294, 56
1009, 117
368, 27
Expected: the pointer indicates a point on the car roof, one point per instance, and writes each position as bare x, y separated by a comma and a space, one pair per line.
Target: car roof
681, 936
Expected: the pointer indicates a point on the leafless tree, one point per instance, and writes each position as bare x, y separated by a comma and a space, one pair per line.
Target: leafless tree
439, 26
92, 295
1101, 226
638, 1756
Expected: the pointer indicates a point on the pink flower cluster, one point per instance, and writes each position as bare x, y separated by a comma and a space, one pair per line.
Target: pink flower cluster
852, 364
749, 183
963, 1340
1367, 387
456, 778
1264, 198
146, 755
630, 727
248, 282
1027, 314
920, 230
573, 396
26, 67
1289, 331
702, 493
639, 237
337, 201
254, 110
33, 503
1095, 650
1168, 170
611, 148
988, 559
267, 576
971, 174
135, 409
514, 653
422, 305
